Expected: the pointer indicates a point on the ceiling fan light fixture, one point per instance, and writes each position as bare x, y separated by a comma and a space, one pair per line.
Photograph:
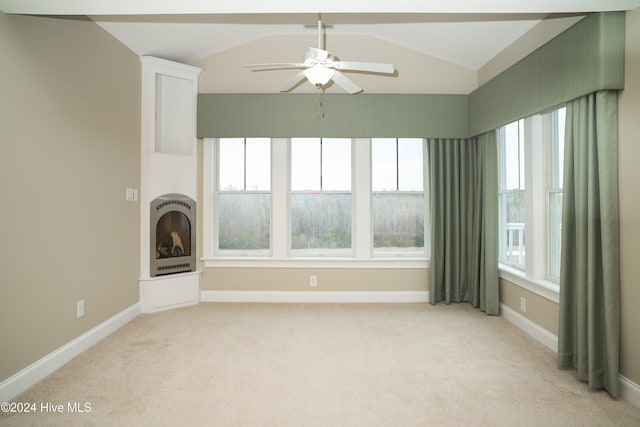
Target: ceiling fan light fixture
319, 75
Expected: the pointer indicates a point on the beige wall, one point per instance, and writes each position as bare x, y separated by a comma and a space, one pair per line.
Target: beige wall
539, 309
629, 177
329, 279
69, 146
417, 72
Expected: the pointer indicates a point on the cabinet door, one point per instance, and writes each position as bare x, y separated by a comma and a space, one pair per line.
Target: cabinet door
174, 115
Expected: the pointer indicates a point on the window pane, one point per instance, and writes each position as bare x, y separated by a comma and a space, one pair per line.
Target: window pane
512, 210
320, 221
258, 164
305, 164
554, 219
231, 163
244, 221
514, 157
558, 149
398, 222
521, 167
384, 174
410, 175
336, 164
555, 233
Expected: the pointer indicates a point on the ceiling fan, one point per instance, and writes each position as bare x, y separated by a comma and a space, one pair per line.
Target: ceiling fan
320, 67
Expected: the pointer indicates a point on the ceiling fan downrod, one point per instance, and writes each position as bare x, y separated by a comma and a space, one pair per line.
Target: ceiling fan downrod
320, 46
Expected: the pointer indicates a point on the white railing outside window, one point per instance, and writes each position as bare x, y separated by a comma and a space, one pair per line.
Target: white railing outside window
515, 248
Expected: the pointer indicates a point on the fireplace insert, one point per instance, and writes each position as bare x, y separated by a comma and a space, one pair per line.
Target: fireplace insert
173, 234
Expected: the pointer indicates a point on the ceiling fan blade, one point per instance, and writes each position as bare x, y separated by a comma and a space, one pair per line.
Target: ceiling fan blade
346, 84
373, 67
293, 81
276, 65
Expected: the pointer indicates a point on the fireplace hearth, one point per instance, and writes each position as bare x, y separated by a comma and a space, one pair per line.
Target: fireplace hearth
172, 235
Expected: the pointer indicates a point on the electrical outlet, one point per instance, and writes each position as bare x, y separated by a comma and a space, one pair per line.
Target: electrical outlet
313, 281
80, 308
523, 304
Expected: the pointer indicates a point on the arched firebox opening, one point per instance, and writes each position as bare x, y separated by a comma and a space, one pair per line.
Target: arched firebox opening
173, 231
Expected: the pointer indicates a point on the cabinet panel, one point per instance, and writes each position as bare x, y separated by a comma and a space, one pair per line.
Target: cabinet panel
174, 115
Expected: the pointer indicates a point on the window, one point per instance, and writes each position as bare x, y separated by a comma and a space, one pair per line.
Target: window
243, 199
317, 202
555, 157
511, 194
398, 200
321, 202
530, 154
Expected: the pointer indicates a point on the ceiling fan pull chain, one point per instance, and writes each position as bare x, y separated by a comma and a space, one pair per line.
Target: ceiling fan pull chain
319, 103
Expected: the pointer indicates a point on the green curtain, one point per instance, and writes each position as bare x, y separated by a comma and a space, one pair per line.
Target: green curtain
464, 221
589, 324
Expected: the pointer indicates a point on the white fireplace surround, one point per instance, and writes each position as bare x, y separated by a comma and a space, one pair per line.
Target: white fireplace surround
168, 165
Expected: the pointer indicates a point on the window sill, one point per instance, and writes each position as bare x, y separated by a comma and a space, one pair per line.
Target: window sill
544, 288
256, 262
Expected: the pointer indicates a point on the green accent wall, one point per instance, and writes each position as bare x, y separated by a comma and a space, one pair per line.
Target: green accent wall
585, 58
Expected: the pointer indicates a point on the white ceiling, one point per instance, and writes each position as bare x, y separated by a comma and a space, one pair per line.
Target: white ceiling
465, 32
467, 40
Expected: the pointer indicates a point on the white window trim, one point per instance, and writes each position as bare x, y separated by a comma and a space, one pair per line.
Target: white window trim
280, 257
542, 287
207, 202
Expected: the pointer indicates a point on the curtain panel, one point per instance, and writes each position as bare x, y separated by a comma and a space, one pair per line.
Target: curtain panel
589, 324
464, 221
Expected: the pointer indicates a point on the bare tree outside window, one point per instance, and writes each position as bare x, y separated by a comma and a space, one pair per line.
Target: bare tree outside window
321, 199
398, 200
243, 195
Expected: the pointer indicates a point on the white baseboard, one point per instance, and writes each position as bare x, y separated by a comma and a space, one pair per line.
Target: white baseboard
16, 384
316, 296
629, 390
539, 333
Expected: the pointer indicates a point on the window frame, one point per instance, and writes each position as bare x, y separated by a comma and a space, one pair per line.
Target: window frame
426, 229
320, 252
503, 191
217, 192
552, 131
539, 131
362, 232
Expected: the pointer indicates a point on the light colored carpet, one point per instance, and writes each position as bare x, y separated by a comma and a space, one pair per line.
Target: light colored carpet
321, 365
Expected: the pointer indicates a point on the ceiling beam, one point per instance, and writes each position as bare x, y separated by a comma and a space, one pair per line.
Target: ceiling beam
178, 7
